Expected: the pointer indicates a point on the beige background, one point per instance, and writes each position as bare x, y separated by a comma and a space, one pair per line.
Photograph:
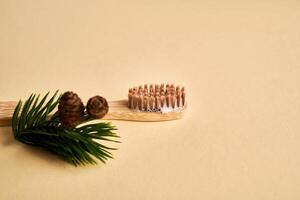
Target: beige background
240, 63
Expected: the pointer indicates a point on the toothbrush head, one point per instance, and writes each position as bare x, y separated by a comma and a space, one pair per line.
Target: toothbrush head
156, 98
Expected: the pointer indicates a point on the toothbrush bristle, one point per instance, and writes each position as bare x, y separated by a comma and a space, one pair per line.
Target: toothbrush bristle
156, 98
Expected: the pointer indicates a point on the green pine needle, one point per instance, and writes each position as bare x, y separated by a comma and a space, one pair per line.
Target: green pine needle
32, 125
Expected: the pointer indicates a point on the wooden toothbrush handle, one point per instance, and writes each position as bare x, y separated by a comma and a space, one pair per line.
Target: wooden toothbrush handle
6, 111
118, 110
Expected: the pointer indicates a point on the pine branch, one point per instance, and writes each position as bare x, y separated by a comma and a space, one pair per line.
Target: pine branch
32, 125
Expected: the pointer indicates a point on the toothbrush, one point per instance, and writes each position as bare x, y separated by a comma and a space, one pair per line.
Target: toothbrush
153, 103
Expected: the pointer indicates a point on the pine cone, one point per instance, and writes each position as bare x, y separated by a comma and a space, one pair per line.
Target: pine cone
97, 107
71, 109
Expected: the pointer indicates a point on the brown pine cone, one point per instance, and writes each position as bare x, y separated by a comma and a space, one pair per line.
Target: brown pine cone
71, 110
97, 107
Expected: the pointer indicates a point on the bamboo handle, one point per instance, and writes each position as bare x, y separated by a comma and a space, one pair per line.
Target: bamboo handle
118, 110
6, 112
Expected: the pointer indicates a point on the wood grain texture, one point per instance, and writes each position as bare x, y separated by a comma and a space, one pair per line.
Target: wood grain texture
118, 110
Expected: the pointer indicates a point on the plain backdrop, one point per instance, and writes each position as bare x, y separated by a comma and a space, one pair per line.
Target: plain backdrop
239, 62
